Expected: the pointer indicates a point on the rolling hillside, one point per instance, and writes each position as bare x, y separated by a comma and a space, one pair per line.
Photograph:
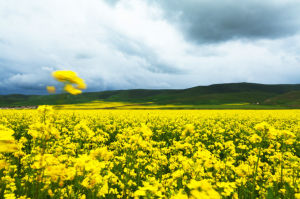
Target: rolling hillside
284, 95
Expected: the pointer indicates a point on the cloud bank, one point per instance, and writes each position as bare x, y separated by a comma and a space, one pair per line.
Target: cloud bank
207, 21
129, 44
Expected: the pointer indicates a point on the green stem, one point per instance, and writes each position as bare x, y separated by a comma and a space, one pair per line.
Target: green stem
255, 174
281, 164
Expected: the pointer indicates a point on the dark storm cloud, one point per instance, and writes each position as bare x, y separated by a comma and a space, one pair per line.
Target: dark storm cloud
16, 82
210, 21
23, 78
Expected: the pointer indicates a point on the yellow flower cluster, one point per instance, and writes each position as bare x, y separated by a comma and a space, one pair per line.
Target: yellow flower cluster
48, 153
68, 78
51, 89
7, 141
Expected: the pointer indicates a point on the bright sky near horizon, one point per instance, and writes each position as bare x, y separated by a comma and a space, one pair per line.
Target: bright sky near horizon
126, 44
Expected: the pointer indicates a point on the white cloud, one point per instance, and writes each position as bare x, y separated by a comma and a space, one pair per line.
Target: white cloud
128, 45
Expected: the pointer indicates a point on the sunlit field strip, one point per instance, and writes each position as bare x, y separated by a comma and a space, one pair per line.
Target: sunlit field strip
98, 104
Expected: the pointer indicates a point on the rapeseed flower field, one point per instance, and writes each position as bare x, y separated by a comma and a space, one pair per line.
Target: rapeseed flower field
48, 153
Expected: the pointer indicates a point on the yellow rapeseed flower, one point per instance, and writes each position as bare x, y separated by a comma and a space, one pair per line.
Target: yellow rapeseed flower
51, 89
70, 89
7, 141
149, 153
65, 76
70, 78
2, 164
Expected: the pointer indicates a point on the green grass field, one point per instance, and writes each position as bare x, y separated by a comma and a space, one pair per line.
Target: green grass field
219, 96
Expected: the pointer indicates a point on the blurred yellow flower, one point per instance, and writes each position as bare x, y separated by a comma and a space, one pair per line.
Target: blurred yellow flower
64, 76
72, 90
6, 133
2, 164
80, 84
7, 141
8, 146
51, 89
69, 78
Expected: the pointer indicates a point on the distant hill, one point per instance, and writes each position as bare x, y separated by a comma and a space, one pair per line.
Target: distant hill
286, 95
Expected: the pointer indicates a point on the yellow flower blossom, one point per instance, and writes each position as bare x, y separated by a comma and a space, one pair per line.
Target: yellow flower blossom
70, 78
7, 141
72, 90
149, 153
51, 89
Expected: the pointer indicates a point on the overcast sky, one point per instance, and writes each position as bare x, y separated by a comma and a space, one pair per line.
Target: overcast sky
157, 44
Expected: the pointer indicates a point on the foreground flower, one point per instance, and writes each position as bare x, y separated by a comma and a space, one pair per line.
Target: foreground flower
68, 78
64, 75
2, 164
51, 89
70, 89
7, 141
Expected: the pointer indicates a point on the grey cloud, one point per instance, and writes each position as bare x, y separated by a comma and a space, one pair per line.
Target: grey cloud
31, 82
152, 61
212, 21
112, 2
24, 78
83, 56
2, 41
